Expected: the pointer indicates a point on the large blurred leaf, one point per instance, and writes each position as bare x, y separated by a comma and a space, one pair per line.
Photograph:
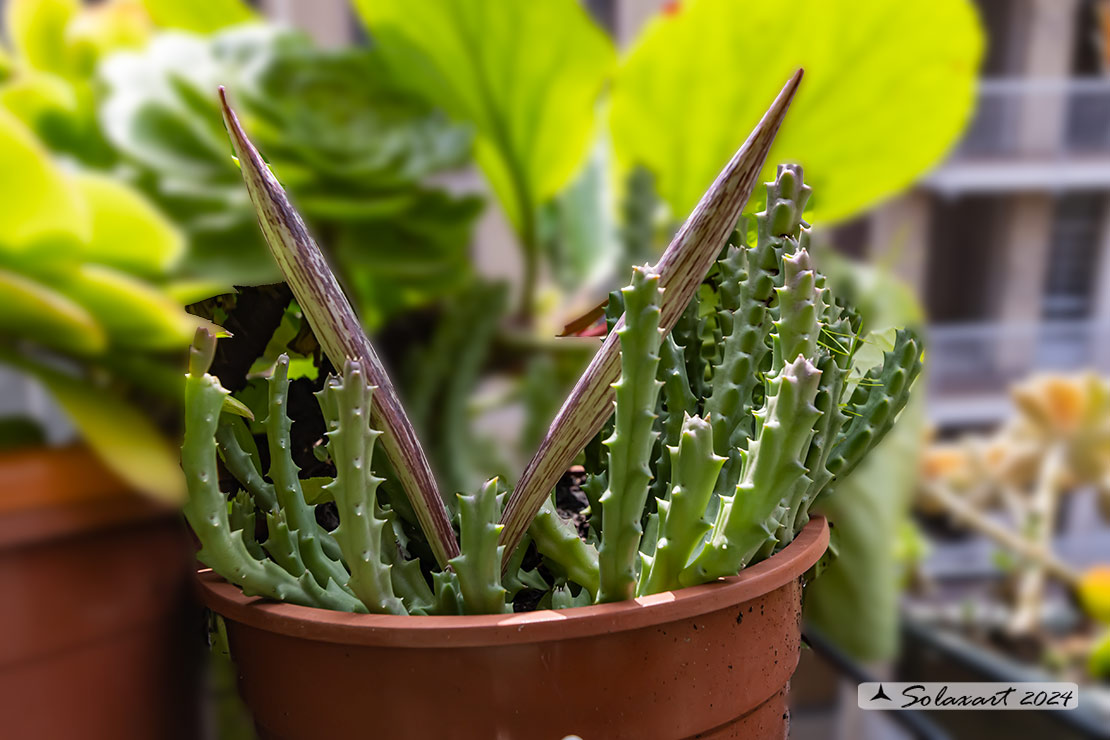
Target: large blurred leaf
37, 29
136, 314
855, 600
201, 16
121, 435
888, 88
128, 232
30, 308
526, 75
37, 197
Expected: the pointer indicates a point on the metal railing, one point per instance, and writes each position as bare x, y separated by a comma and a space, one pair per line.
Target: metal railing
1042, 118
969, 361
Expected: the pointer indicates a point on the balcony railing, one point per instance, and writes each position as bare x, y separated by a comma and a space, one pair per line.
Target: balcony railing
970, 367
1039, 118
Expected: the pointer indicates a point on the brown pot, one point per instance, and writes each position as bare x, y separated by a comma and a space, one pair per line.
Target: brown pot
95, 612
711, 661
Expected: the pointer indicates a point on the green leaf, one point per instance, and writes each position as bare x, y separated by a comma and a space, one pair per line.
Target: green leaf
37, 29
128, 232
120, 434
34, 310
526, 75
136, 314
38, 198
199, 16
888, 88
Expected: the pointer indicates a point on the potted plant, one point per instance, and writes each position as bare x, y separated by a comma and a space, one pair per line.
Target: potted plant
96, 573
719, 407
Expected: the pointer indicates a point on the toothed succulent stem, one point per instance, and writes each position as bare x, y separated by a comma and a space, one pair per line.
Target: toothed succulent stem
240, 456
206, 508
772, 471
479, 564
559, 543
298, 514
682, 522
633, 436
878, 398
346, 405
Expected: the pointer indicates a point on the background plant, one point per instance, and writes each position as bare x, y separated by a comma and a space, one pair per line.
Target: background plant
901, 77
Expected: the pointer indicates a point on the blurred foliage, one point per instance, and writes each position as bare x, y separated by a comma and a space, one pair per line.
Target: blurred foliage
526, 76
888, 88
352, 148
84, 267
855, 601
201, 17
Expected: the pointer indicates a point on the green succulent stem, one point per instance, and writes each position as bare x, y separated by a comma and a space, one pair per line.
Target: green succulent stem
559, 542
772, 471
298, 515
206, 507
346, 404
479, 566
633, 436
682, 522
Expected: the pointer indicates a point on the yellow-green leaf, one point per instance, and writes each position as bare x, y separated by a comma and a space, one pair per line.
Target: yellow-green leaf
37, 29
31, 309
199, 16
121, 435
136, 314
128, 232
33, 96
888, 88
526, 75
38, 199
1094, 593
186, 292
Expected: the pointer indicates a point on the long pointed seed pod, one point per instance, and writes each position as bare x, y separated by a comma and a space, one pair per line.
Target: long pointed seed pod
346, 406
340, 334
299, 515
206, 507
682, 523
772, 469
479, 565
681, 270
633, 436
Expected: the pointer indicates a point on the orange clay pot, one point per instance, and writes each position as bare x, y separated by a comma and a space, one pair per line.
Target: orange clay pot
710, 661
95, 613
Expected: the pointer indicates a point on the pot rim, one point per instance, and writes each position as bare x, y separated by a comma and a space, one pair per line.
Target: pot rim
49, 493
386, 630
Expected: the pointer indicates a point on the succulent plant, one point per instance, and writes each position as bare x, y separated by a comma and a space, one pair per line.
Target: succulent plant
707, 452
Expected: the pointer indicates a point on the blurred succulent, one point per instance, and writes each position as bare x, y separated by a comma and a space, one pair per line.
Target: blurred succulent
738, 455
354, 151
89, 307
1058, 441
49, 82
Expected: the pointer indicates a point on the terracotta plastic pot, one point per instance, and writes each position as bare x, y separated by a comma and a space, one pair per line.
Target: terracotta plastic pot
711, 661
95, 611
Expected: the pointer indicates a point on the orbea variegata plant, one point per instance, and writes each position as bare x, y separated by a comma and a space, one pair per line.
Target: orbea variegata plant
720, 434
